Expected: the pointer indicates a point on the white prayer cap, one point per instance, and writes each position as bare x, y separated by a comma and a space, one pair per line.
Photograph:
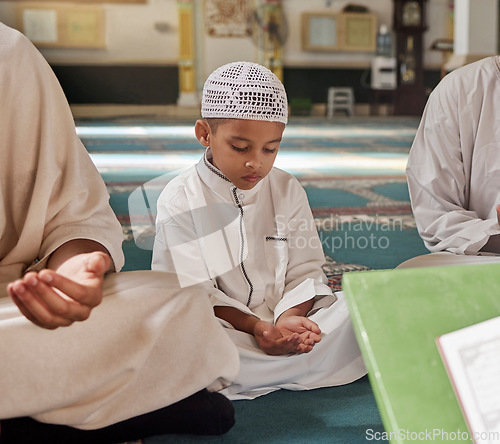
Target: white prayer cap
244, 90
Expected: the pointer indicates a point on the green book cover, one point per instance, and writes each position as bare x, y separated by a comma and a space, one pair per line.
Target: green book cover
397, 316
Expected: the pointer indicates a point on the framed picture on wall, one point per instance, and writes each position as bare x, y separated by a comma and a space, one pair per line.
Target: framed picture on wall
330, 32
61, 25
227, 18
358, 32
320, 31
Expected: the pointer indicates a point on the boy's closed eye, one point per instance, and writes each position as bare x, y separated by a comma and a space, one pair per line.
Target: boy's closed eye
242, 150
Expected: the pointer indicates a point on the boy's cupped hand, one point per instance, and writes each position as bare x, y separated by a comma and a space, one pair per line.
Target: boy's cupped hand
290, 335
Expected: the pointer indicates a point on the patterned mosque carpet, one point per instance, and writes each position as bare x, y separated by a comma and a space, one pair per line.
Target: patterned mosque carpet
351, 168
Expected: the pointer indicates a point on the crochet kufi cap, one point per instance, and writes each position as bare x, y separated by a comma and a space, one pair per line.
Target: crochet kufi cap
244, 90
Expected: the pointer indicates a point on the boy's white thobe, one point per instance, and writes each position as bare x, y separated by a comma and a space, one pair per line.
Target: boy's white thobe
261, 251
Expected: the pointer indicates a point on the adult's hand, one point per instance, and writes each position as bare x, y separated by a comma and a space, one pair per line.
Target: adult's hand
57, 298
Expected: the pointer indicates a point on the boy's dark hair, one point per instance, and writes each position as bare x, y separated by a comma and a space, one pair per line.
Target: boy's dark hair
214, 123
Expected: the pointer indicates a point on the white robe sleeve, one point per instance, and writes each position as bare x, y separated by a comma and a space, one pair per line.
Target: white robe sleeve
304, 278
441, 167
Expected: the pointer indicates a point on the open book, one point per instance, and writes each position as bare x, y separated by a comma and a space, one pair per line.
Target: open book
472, 359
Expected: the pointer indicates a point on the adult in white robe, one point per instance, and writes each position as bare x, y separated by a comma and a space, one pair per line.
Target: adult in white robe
260, 252
454, 168
149, 343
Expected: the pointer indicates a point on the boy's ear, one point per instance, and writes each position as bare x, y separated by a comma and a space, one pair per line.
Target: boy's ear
202, 132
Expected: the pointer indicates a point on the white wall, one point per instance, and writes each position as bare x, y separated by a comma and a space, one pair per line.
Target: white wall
217, 51
133, 36
468, 17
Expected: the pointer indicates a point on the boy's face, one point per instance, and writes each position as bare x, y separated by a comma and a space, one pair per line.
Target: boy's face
243, 150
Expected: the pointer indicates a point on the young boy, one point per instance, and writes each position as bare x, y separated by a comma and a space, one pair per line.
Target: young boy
246, 229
